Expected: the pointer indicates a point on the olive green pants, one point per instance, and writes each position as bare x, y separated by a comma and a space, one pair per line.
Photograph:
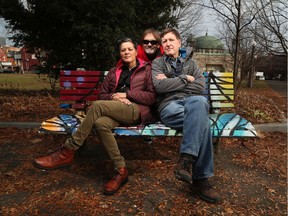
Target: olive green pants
104, 115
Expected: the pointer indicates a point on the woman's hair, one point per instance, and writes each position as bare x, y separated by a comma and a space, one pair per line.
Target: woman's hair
123, 40
171, 30
152, 31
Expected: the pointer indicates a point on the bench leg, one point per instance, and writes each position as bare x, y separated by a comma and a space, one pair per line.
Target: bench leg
216, 144
148, 140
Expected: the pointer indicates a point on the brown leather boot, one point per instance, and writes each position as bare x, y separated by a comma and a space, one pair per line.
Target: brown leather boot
61, 158
116, 182
183, 169
205, 191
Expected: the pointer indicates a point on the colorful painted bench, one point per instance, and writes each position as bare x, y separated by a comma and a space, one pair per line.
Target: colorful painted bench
78, 89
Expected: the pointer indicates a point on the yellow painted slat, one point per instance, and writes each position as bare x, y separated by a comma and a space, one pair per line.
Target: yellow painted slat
226, 92
223, 86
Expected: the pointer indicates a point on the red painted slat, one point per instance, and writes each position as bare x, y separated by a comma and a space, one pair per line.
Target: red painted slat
81, 85
81, 73
78, 92
77, 98
80, 79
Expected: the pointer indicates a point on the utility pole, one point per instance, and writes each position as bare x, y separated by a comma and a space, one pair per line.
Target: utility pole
252, 70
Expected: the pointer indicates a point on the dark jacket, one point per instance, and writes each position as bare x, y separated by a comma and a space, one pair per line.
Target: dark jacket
176, 87
141, 91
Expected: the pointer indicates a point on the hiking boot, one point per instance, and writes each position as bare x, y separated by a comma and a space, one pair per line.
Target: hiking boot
204, 190
116, 182
61, 158
183, 169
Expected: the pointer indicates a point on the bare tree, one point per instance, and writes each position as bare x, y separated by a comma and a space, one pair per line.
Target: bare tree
188, 17
236, 15
270, 27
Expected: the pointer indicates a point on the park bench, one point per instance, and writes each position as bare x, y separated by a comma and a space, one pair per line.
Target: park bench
78, 89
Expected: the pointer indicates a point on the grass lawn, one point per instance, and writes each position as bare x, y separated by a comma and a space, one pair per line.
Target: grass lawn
24, 82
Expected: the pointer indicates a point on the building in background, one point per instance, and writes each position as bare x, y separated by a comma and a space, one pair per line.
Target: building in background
29, 60
9, 61
210, 53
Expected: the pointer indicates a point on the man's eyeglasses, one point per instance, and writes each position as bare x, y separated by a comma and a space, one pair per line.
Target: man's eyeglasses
153, 42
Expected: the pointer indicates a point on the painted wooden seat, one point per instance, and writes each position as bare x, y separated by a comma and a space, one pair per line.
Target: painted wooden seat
80, 88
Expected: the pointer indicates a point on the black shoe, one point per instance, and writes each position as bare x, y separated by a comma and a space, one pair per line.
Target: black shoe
183, 170
204, 190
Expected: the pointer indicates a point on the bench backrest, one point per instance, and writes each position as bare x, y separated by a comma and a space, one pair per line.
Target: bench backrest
79, 88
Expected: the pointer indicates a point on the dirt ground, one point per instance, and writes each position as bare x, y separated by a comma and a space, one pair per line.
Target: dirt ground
250, 175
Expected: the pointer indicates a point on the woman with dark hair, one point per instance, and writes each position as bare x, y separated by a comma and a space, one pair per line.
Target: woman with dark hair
125, 99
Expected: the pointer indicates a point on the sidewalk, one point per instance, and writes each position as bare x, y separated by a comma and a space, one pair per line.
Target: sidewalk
269, 127
272, 127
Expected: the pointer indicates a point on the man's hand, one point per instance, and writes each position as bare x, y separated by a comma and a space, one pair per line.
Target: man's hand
160, 76
190, 78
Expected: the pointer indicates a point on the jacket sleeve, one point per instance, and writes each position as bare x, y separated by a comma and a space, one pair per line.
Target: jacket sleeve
198, 85
108, 86
143, 91
166, 85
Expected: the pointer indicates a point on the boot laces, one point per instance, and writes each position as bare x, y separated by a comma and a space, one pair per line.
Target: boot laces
205, 184
186, 165
117, 177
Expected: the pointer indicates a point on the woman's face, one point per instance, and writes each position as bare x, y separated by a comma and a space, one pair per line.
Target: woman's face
128, 52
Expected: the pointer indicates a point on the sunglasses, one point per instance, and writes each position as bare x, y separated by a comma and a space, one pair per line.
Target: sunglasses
153, 42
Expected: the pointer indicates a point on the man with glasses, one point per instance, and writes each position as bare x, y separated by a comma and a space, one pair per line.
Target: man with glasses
179, 83
150, 45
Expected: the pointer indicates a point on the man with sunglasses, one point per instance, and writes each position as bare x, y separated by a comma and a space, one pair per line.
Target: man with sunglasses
150, 45
179, 83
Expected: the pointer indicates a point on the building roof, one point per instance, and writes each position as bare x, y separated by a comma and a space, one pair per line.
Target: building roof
208, 42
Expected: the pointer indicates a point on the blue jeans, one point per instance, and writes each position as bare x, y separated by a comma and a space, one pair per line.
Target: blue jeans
191, 115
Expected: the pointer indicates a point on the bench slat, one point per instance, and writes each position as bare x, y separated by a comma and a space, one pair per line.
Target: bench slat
223, 74
222, 86
82, 73
221, 105
79, 85
78, 98
82, 92
218, 92
80, 79
220, 97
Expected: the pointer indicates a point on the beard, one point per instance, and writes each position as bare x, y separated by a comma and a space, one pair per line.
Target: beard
150, 51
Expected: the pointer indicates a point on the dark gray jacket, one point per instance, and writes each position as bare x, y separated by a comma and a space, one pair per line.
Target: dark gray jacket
177, 87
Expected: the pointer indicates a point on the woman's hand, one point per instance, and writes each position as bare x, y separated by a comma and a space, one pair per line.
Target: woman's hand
121, 97
118, 95
125, 101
